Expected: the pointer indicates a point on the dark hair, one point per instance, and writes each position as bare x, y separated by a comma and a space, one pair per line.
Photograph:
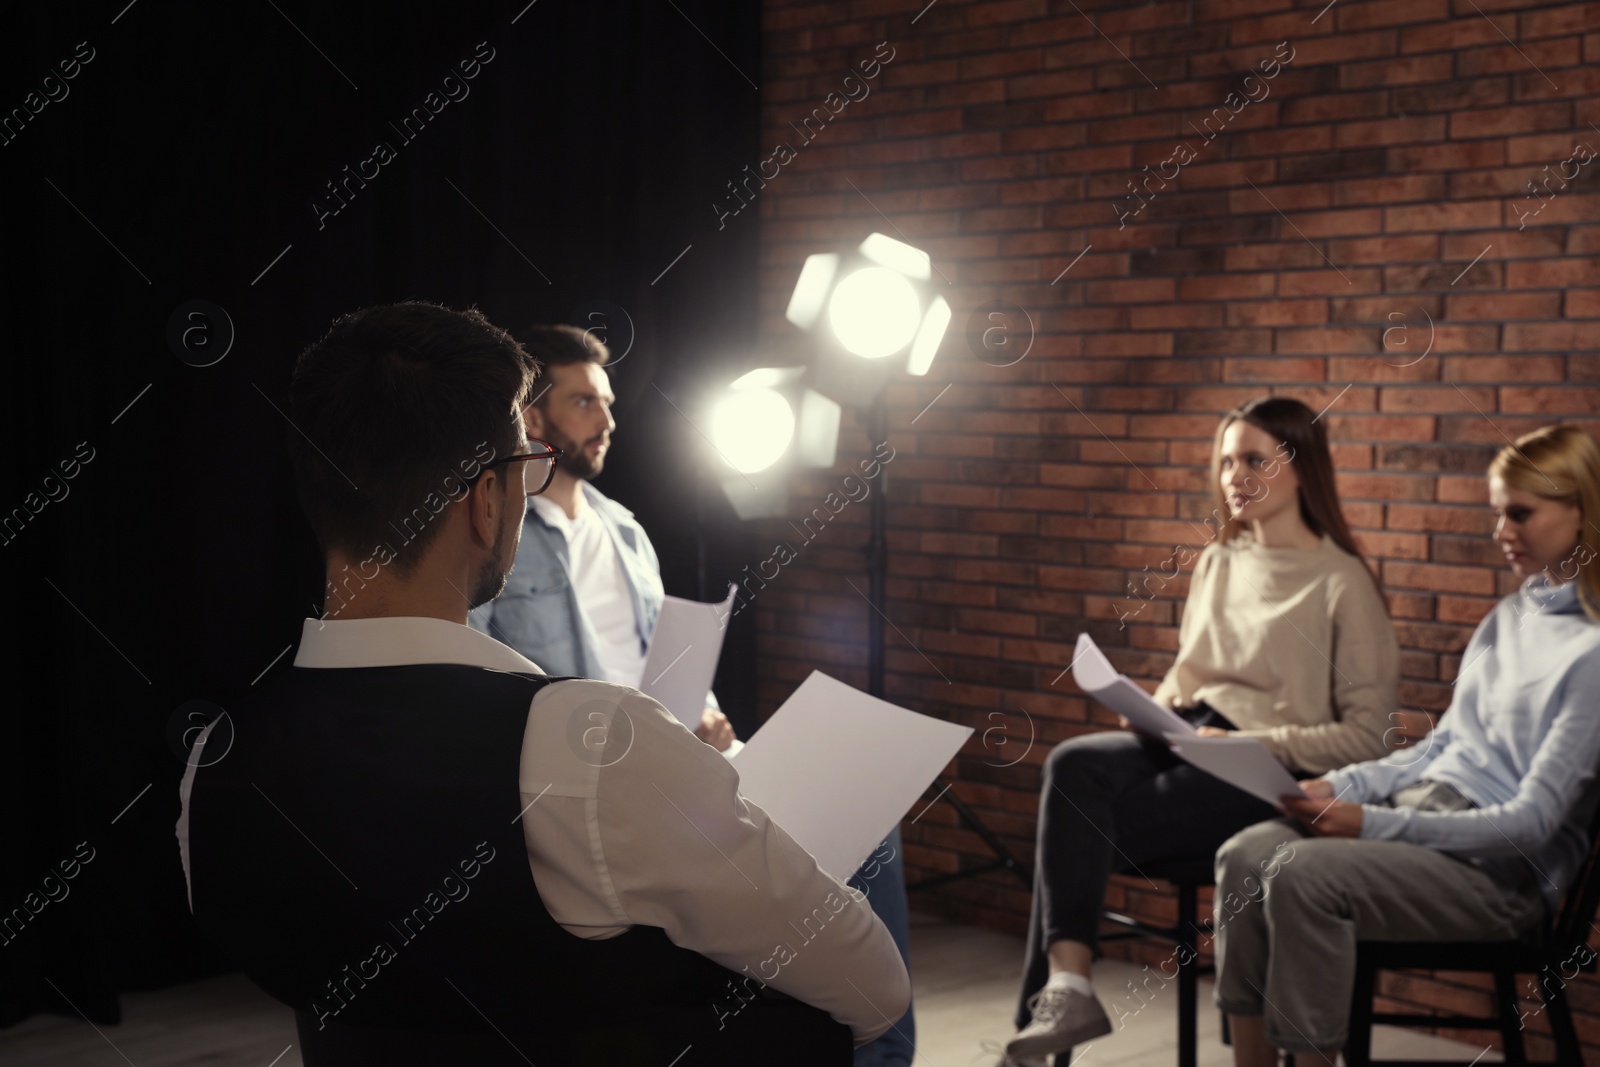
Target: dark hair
1306, 439
395, 409
561, 345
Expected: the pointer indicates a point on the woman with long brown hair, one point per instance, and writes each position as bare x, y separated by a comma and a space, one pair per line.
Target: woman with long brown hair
1285, 638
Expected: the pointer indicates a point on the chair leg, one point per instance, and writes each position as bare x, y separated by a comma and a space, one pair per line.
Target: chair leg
1188, 982
1568, 1050
1505, 996
1358, 1045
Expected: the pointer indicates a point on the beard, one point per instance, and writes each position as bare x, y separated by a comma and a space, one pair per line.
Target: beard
576, 460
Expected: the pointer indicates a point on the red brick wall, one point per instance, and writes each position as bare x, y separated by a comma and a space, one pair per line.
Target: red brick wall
1324, 245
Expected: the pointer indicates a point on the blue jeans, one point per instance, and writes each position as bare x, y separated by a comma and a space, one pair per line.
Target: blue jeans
883, 879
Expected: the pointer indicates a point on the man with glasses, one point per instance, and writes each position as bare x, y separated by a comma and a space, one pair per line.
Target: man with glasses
436, 854
586, 591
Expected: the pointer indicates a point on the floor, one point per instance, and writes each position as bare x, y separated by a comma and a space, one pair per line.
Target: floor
965, 984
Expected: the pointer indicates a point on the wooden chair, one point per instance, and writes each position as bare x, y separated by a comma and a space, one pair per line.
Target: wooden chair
1188, 876
1556, 952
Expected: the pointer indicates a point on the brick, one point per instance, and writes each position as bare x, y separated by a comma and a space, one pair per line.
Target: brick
1391, 190
1276, 370
1436, 518
1397, 249
1405, 605
1169, 316
1337, 108
1567, 400
1391, 13
1465, 610
1555, 21
1504, 306
1355, 486
1330, 340
1225, 286
1582, 304
1270, 256
1223, 342
1458, 215
1501, 122
1403, 70
1349, 280
1519, 368
1342, 48
1463, 490
1277, 313
1502, 58
1450, 36
1383, 428
1552, 273
1454, 95
1403, 399
1347, 164
1461, 155
1418, 129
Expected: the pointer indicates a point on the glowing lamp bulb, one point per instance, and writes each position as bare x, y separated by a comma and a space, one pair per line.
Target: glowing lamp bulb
752, 428
874, 312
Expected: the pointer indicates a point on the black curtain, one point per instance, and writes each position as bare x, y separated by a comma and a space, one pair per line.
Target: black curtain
153, 553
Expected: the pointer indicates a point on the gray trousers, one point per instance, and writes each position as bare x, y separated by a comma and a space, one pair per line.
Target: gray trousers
1290, 908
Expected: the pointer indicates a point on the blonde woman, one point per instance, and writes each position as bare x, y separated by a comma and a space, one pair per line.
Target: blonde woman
1471, 836
1284, 637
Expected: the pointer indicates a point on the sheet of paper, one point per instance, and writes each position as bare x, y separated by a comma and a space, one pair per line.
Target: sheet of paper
1240, 761
838, 769
1097, 677
683, 655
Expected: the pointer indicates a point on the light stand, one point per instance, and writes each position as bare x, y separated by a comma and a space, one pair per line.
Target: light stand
881, 315
877, 584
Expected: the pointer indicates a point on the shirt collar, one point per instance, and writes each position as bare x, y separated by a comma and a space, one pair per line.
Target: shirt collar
403, 640
551, 514
1556, 599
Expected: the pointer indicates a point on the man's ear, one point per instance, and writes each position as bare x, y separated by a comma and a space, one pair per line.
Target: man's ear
484, 506
533, 420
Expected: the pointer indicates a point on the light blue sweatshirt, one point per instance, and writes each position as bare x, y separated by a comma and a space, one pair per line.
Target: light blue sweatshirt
1521, 740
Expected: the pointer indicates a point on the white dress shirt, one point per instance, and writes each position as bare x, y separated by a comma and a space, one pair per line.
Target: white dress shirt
632, 820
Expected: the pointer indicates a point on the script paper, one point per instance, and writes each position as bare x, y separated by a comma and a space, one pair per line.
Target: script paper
683, 655
1241, 761
1096, 676
838, 769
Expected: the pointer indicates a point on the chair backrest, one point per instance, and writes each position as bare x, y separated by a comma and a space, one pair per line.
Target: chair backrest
1572, 922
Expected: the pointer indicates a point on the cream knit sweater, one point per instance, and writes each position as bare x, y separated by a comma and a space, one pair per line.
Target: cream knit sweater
1294, 646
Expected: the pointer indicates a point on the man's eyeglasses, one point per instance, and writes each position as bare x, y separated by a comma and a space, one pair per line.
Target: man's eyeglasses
541, 458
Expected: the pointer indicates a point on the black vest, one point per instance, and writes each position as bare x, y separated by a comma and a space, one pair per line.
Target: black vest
358, 852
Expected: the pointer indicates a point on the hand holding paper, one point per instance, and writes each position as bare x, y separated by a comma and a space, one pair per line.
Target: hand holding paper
1243, 762
1097, 677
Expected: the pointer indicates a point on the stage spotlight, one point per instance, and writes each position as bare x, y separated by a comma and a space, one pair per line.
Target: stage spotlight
763, 423
752, 428
877, 302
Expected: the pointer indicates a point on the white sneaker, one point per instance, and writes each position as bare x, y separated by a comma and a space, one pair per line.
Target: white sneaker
1061, 1019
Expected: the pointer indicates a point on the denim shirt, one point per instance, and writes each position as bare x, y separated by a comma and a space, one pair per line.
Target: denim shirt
539, 614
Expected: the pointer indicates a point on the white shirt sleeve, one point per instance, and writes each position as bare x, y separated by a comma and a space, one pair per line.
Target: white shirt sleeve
674, 845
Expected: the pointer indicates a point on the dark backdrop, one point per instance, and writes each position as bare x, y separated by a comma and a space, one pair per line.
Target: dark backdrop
179, 164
